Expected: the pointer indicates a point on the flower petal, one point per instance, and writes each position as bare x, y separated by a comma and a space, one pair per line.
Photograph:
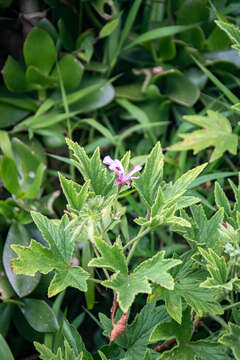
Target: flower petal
108, 160
133, 171
117, 166
114, 165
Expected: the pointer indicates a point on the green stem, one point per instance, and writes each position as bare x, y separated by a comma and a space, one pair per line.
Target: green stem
42, 95
207, 328
126, 193
227, 307
97, 255
95, 280
219, 320
12, 301
103, 232
154, 54
152, 242
181, 163
92, 17
80, 19
135, 242
230, 163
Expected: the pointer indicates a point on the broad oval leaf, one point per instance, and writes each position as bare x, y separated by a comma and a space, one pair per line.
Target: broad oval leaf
5, 352
192, 12
39, 315
5, 318
14, 76
23, 285
39, 50
9, 175
98, 98
181, 89
6, 290
11, 115
71, 71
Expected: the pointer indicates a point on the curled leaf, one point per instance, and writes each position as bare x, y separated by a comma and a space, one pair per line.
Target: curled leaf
119, 328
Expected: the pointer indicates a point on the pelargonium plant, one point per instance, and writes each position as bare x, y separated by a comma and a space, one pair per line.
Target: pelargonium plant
189, 297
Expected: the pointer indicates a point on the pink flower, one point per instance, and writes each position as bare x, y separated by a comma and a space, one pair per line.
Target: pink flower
116, 166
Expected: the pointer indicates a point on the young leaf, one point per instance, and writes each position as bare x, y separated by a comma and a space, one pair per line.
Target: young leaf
181, 185
187, 287
75, 277
127, 287
47, 354
58, 256
218, 270
111, 257
170, 200
76, 194
186, 201
92, 169
176, 221
156, 269
203, 231
222, 200
232, 31
148, 183
231, 339
216, 132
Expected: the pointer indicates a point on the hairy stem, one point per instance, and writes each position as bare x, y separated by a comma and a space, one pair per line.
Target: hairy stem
227, 307
135, 241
